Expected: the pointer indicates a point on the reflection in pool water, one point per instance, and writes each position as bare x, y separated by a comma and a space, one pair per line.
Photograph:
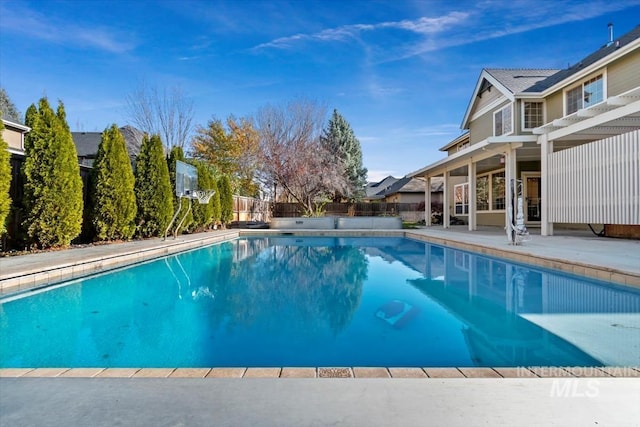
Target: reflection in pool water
290, 301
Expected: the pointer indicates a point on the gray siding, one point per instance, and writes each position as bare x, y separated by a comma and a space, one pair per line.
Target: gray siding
623, 74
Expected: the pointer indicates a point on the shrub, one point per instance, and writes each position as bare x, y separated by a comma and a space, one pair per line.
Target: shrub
226, 200
5, 181
53, 187
154, 195
114, 199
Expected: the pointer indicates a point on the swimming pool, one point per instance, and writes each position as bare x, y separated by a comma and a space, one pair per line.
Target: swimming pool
323, 301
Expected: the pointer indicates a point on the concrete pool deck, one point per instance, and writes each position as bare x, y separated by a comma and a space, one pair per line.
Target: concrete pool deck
305, 396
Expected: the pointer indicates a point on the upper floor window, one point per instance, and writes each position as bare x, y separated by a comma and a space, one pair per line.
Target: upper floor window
532, 115
585, 95
502, 121
463, 146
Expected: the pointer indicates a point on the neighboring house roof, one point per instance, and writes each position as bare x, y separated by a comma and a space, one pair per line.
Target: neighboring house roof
374, 188
599, 54
411, 185
87, 142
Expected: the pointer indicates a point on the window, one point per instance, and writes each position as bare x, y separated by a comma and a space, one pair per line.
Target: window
482, 193
502, 121
461, 199
498, 191
532, 115
585, 95
463, 146
490, 191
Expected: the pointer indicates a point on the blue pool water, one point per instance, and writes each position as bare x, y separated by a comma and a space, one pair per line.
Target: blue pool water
290, 301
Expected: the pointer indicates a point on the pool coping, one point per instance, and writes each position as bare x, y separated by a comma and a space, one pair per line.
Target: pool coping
330, 372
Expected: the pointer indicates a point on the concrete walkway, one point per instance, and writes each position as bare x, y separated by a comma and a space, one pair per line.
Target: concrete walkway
331, 402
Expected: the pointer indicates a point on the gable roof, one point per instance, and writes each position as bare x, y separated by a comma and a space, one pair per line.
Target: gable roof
509, 81
517, 80
591, 59
411, 185
373, 189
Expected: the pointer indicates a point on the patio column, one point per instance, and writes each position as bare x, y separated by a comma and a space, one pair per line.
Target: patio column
509, 175
472, 195
546, 148
427, 202
446, 215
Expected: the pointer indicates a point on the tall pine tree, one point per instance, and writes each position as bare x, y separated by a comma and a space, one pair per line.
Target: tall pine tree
53, 187
341, 140
154, 195
5, 181
114, 199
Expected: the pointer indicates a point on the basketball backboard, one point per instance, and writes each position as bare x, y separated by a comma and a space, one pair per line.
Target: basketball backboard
186, 179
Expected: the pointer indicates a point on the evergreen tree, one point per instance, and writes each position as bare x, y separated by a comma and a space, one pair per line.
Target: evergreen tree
341, 140
9, 110
114, 199
5, 181
53, 187
226, 200
176, 154
154, 195
203, 214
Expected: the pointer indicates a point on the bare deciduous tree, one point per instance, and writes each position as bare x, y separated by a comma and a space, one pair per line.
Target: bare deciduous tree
167, 112
293, 157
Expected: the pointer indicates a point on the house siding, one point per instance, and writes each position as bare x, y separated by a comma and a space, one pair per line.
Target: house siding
623, 74
13, 138
482, 127
485, 99
555, 106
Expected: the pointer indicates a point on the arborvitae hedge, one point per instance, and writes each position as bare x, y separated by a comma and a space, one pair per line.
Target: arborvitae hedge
203, 215
53, 187
226, 200
5, 181
175, 154
114, 199
154, 195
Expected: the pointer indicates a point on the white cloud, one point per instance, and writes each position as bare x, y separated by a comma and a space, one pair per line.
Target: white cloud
35, 25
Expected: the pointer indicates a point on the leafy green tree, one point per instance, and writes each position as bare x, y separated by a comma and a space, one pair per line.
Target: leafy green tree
233, 150
340, 139
176, 154
204, 215
226, 200
114, 199
5, 181
154, 195
9, 110
53, 187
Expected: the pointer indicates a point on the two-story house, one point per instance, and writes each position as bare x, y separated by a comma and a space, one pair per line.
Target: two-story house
567, 142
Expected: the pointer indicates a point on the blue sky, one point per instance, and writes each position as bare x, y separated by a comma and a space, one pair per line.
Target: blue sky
401, 72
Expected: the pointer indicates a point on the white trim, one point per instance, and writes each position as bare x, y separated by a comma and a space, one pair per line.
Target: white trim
523, 176
454, 142
490, 174
16, 151
522, 117
18, 126
484, 75
501, 110
487, 108
581, 82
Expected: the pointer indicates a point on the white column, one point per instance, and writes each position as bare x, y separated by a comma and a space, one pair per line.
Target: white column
427, 202
472, 195
446, 215
509, 174
546, 148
